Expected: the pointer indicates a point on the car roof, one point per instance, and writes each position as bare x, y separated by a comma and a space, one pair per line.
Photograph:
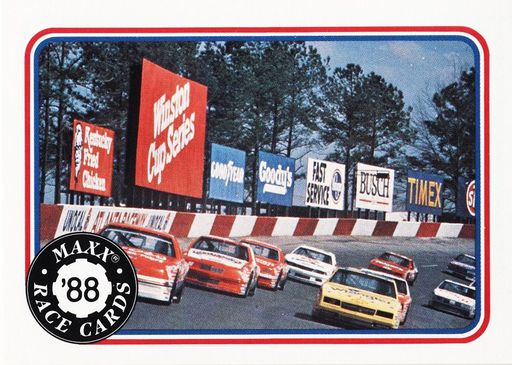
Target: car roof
314, 249
457, 283
224, 239
379, 273
139, 229
465, 254
360, 271
261, 243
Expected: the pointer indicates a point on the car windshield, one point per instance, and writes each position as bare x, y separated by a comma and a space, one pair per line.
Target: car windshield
395, 259
465, 260
365, 282
262, 251
315, 255
125, 237
401, 285
222, 247
459, 289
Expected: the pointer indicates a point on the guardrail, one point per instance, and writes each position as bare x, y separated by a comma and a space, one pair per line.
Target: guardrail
60, 219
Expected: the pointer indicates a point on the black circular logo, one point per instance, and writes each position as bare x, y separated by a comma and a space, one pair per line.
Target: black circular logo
336, 185
81, 287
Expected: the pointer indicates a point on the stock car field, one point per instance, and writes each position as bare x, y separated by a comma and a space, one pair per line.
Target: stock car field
291, 308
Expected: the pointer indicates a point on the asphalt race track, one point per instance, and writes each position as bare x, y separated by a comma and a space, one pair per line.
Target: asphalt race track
291, 308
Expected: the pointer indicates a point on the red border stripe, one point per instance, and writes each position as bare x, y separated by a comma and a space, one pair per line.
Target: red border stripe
384, 228
222, 225
428, 229
305, 227
264, 226
181, 224
344, 227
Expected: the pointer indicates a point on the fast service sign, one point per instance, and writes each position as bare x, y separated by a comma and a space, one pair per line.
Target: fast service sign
325, 184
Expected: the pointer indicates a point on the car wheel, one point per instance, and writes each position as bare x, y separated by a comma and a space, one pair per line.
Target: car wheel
282, 284
252, 290
247, 289
278, 282
176, 292
405, 318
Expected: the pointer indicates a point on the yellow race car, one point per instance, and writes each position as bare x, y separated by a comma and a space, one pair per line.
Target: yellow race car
359, 299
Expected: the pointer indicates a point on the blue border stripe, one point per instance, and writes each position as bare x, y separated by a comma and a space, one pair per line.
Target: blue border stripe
351, 38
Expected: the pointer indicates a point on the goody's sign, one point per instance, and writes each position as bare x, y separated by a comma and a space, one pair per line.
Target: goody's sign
276, 175
374, 187
92, 155
466, 198
325, 184
171, 132
424, 193
227, 169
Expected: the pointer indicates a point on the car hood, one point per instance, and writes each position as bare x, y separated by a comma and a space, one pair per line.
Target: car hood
215, 257
359, 297
309, 262
149, 263
454, 296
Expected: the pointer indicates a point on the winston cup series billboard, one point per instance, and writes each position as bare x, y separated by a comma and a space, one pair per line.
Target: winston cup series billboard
91, 159
171, 133
325, 184
227, 170
374, 188
276, 175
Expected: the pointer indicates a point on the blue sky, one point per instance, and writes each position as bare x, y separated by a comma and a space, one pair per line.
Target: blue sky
413, 66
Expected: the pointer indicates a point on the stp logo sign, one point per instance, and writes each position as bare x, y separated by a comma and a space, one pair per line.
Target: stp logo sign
170, 140
471, 198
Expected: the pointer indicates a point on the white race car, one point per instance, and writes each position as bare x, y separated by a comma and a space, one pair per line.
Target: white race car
454, 297
310, 265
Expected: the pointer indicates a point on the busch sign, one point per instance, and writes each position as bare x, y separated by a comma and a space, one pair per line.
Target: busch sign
91, 159
424, 193
171, 133
325, 184
374, 187
227, 170
275, 179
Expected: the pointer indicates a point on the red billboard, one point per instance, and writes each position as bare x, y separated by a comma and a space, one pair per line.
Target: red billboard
171, 132
92, 155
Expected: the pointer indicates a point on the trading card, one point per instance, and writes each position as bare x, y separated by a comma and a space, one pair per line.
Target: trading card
195, 191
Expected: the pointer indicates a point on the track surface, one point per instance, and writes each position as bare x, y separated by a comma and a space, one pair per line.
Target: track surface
291, 308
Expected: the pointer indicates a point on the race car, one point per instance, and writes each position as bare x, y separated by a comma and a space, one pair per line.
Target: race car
404, 295
463, 266
359, 299
310, 265
157, 258
222, 264
453, 297
395, 264
270, 260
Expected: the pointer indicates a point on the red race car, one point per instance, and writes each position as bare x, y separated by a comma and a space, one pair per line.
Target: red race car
270, 260
222, 264
157, 257
395, 264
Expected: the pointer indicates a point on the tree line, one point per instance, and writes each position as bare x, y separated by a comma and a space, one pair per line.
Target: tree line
281, 97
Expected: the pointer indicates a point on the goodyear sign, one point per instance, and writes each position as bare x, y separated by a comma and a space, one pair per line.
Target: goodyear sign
424, 193
227, 169
275, 176
466, 198
325, 184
